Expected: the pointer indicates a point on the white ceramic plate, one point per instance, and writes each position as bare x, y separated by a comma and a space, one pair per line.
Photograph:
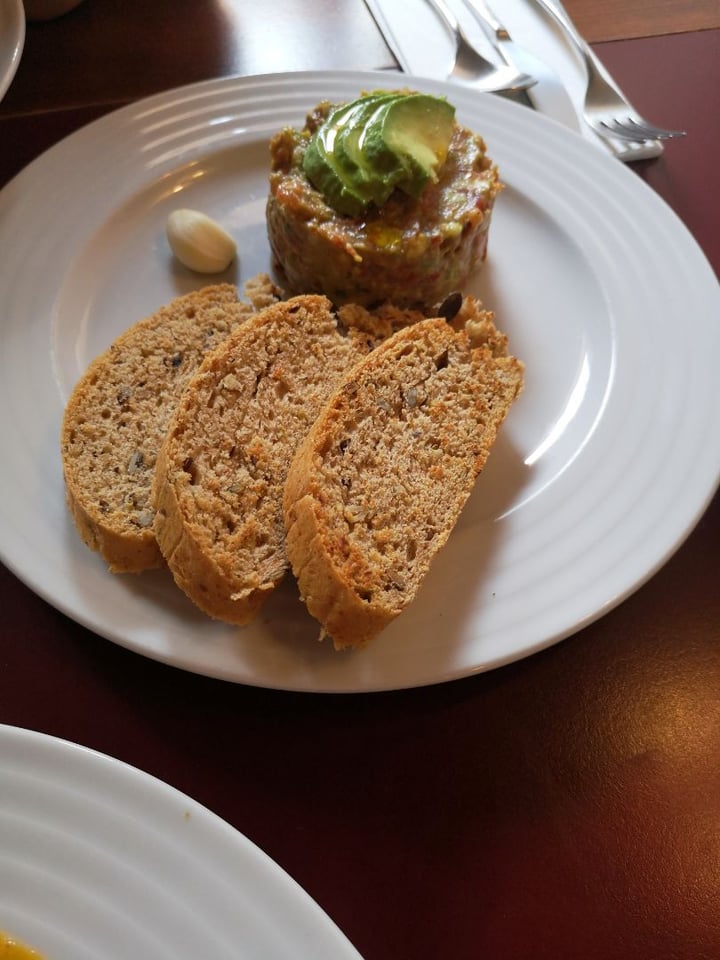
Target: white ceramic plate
98, 859
604, 465
12, 40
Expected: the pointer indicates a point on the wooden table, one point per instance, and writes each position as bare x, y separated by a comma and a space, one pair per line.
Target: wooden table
565, 806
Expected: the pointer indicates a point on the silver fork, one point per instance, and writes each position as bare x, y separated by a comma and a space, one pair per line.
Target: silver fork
606, 110
472, 68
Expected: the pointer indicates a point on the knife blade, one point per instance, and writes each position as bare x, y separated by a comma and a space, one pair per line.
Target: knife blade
503, 44
406, 38
549, 96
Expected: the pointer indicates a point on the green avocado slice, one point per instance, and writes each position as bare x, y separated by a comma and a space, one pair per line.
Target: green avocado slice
375, 178
337, 170
367, 148
321, 167
415, 129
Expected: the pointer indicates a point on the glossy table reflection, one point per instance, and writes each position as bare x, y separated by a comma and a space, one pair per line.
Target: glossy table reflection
566, 806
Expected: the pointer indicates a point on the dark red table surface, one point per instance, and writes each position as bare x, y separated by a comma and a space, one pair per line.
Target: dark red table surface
565, 806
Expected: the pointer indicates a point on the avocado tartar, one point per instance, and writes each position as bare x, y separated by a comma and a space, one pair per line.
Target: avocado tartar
371, 201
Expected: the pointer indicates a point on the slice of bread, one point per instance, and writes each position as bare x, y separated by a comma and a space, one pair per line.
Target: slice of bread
377, 485
117, 416
221, 471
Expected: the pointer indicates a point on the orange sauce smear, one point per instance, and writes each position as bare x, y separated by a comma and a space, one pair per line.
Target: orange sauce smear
12, 949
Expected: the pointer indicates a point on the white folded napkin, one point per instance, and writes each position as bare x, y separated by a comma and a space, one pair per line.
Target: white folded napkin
423, 47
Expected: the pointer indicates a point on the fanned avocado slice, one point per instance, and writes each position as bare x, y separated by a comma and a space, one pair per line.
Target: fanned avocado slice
323, 169
367, 148
376, 178
415, 129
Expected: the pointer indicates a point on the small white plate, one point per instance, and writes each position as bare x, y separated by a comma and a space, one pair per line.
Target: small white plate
12, 40
98, 859
602, 468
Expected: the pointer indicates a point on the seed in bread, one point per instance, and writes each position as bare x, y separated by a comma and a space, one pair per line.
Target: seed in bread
377, 485
117, 415
221, 471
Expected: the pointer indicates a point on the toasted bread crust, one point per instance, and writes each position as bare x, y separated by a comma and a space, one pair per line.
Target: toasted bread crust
118, 412
377, 485
221, 470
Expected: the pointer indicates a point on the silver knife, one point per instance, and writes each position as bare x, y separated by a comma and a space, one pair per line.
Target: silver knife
502, 43
445, 12
549, 96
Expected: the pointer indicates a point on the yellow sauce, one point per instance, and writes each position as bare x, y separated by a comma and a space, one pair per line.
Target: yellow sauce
12, 949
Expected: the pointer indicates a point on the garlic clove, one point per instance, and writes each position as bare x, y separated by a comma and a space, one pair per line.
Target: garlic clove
199, 242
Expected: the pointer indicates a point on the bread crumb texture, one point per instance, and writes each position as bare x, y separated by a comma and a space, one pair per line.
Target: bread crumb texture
222, 468
379, 482
117, 416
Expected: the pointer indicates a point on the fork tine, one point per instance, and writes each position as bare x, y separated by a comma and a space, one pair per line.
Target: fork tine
606, 107
630, 128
